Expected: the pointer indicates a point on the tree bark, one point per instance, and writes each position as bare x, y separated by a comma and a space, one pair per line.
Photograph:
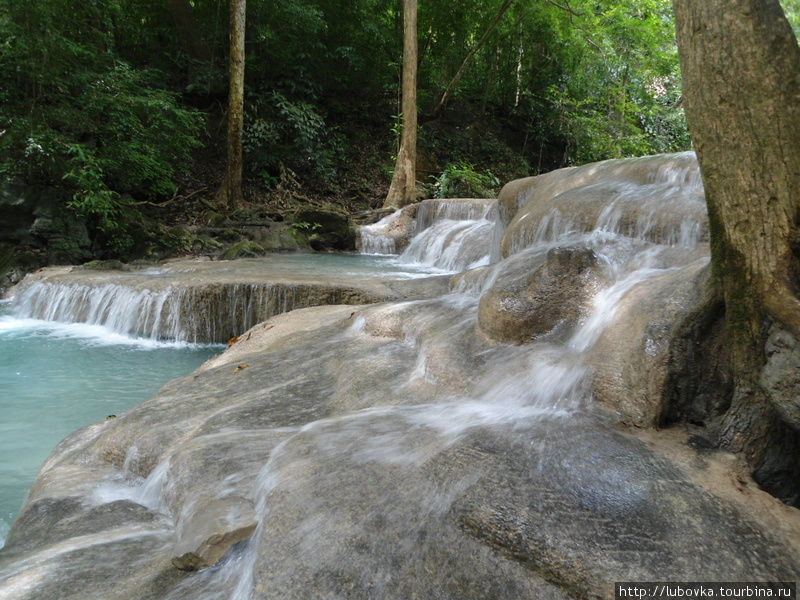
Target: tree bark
740, 65
231, 190
403, 189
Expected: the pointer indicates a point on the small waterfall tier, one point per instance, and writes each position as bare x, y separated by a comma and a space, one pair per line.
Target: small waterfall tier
449, 235
189, 301
659, 199
455, 234
387, 236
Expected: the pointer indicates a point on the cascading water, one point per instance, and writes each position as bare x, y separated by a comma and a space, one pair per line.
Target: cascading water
205, 314
449, 235
374, 239
455, 235
393, 451
203, 302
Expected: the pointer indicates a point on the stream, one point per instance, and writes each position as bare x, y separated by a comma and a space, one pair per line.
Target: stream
396, 435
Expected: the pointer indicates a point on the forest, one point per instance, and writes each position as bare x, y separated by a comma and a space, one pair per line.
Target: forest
113, 112
394, 299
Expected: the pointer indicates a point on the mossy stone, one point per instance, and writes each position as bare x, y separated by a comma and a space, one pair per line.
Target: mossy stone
242, 249
326, 229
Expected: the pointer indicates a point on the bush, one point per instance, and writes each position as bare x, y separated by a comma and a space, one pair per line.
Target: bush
461, 180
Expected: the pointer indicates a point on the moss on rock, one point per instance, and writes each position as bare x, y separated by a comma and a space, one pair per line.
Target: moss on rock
242, 249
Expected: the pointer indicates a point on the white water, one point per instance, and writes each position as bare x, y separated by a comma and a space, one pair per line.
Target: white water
449, 235
649, 199
180, 303
517, 385
373, 238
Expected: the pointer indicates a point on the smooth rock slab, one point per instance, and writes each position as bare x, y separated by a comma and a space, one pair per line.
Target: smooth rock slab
208, 533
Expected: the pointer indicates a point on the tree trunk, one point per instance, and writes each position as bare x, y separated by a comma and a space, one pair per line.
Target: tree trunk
740, 64
231, 191
403, 189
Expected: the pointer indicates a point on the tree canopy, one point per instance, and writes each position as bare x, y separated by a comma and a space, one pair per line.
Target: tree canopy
118, 103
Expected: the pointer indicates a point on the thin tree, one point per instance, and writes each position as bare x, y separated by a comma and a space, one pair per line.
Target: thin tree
230, 193
403, 189
740, 65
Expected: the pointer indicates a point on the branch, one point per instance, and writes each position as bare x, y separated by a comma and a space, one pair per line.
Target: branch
566, 8
175, 196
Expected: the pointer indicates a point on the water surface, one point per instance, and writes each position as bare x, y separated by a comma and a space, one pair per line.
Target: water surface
58, 377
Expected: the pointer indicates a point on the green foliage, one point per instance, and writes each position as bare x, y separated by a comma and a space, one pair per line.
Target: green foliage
581, 80
81, 119
95, 96
792, 10
461, 180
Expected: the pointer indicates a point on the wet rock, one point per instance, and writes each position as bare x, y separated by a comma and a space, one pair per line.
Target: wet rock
390, 235
780, 376
201, 301
622, 196
381, 480
542, 295
632, 361
242, 249
277, 238
208, 533
326, 230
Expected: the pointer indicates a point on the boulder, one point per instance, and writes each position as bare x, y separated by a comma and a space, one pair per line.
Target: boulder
242, 249
635, 198
208, 532
390, 235
633, 358
780, 376
326, 229
541, 295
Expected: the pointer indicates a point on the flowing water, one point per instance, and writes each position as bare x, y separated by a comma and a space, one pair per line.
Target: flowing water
58, 377
455, 235
203, 301
374, 431
72, 353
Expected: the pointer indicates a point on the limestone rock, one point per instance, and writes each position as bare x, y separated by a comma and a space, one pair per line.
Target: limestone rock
631, 362
533, 298
209, 532
612, 195
780, 376
327, 230
390, 235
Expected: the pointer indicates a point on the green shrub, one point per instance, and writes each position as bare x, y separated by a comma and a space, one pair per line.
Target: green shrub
461, 180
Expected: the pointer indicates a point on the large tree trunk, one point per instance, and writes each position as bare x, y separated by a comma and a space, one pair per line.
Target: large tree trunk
403, 189
741, 75
231, 190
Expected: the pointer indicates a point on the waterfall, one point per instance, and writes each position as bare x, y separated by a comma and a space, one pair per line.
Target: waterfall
447, 235
407, 448
657, 199
374, 239
189, 313
454, 235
